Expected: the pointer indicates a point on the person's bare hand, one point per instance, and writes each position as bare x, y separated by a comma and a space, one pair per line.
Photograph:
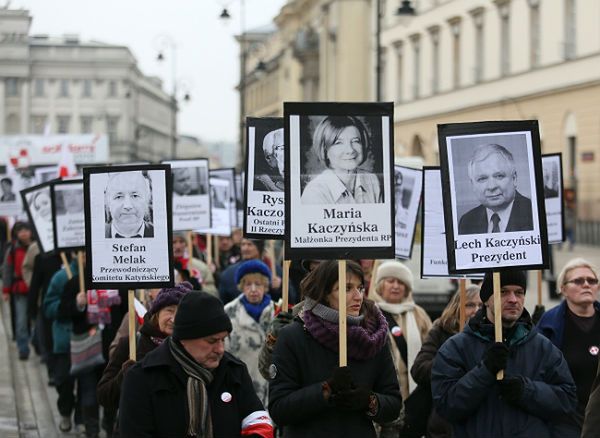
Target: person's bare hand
276, 282
81, 299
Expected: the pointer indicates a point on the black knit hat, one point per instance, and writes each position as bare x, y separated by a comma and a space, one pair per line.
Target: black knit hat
507, 278
200, 314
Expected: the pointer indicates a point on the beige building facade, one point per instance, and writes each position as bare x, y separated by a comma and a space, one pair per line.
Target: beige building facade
472, 60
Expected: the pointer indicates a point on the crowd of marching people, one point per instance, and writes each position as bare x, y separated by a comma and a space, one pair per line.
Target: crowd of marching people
217, 355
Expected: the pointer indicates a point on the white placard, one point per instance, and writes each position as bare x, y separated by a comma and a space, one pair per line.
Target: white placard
69, 216
553, 197
228, 175
38, 202
407, 189
220, 203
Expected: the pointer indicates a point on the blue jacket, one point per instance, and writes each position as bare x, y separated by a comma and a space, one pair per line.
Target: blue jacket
61, 330
466, 393
552, 323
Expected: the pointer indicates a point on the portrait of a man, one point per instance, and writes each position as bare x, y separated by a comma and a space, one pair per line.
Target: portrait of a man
127, 204
69, 201
6, 184
550, 181
493, 177
271, 180
185, 182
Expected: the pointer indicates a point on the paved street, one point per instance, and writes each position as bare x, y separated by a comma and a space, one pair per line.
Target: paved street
28, 404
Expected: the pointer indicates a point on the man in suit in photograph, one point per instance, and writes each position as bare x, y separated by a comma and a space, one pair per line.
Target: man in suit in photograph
127, 201
493, 177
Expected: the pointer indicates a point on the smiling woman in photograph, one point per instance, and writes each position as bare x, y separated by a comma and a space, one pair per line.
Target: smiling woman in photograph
574, 326
342, 144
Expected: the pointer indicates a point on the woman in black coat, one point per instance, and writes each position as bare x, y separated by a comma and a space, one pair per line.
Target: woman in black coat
309, 394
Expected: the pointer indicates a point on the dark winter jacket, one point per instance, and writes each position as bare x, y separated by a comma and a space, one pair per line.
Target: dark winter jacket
154, 402
12, 275
44, 268
61, 328
296, 399
467, 394
437, 427
109, 387
552, 324
591, 424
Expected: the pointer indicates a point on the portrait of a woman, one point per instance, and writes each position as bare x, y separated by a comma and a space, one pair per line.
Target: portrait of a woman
342, 144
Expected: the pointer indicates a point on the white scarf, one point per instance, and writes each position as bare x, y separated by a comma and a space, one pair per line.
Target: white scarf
412, 335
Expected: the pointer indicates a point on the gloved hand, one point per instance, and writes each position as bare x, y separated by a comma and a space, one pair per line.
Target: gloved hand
340, 380
281, 320
126, 365
511, 388
495, 357
538, 313
355, 399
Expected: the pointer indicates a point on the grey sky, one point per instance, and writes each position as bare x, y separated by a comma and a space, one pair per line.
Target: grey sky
207, 53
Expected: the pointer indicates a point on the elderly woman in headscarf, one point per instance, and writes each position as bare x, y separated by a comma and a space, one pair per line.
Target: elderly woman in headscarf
251, 313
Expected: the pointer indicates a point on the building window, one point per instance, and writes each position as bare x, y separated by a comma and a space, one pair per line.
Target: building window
434, 32
12, 87
504, 10
534, 33
38, 88
63, 90
86, 90
416, 43
455, 30
13, 124
570, 29
477, 15
86, 124
38, 124
63, 124
112, 88
399, 70
112, 126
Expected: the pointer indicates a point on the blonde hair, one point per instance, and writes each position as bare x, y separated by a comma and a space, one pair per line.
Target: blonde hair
577, 262
252, 276
449, 320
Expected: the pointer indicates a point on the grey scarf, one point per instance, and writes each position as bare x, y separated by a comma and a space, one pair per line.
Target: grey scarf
197, 396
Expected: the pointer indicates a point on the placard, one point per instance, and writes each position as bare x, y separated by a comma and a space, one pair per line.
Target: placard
265, 205
338, 172
220, 204
68, 213
240, 179
553, 197
190, 196
11, 184
407, 191
38, 206
493, 217
228, 174
434, 256
128, 227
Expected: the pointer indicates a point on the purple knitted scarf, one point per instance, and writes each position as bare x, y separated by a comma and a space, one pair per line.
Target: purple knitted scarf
363, 343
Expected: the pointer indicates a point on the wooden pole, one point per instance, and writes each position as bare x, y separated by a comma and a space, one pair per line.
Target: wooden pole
271, 254
217, 251
342, 311
373, 275
209, 258
132, 339
539, 287
65, 262
462, 285
190, 247
80, 269
498, 316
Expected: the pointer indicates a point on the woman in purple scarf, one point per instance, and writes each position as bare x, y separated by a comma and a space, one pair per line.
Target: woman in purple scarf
309, 394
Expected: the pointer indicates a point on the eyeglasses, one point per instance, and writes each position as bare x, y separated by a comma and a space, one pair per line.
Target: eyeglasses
581, 281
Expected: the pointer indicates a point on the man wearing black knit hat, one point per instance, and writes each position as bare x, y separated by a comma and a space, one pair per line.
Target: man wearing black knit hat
189, 385
537, 395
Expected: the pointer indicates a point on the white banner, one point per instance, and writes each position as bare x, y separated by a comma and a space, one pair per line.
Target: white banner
25, 150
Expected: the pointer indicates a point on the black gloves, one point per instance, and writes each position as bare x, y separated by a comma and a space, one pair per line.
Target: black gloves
495, 357
341, 380
356, 399
281, 320
511, 388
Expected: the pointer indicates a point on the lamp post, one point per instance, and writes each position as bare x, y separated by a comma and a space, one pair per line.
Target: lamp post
166, 42
405, 9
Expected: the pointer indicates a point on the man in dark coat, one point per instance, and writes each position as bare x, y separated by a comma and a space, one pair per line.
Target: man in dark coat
537, 394
494, 179
591, 424
189, 385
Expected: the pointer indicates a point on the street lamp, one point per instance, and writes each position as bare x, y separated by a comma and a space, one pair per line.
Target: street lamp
405, 9
166, 42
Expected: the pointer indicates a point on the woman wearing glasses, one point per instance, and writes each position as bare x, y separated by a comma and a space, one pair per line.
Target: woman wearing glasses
309, 394
574, 326
408, 323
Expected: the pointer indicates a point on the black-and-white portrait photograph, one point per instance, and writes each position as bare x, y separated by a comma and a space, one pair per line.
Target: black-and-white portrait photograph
553, 197
8, 190
69, 215
38, 206
220, 203
407, 193
11, 185
239, 198
493, 179
227, 174
191, 197
46, 173
265, 201
128, 226
340, 173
